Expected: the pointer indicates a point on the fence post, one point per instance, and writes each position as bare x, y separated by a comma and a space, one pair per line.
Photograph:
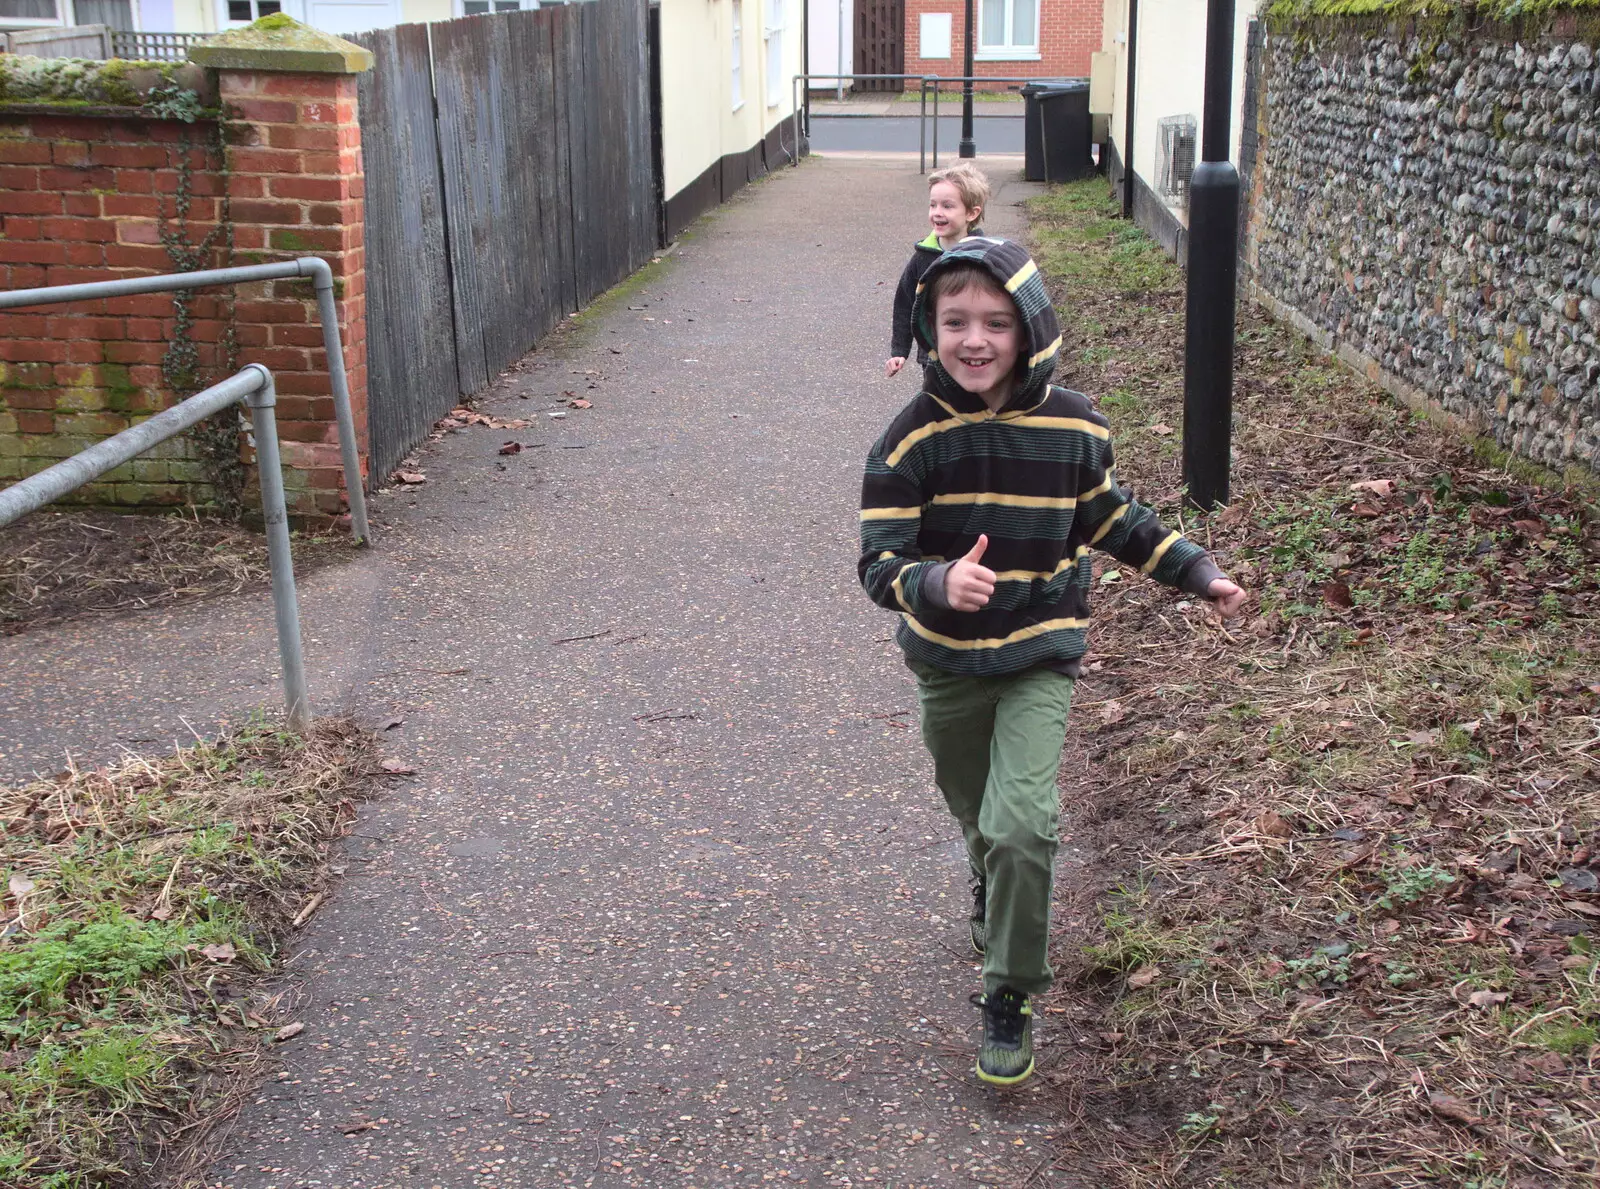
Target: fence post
296, 186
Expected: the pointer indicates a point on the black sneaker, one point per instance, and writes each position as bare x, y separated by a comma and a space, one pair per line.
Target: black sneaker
1006, 1055
979, 922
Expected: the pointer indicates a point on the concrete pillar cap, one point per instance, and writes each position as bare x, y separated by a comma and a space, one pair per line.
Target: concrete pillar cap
281, 44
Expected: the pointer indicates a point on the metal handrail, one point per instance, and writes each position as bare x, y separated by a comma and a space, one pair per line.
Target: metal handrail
937, 79
305, 266
254, 386
923, 81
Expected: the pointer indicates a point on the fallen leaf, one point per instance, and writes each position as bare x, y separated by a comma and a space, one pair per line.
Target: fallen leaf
411, 477
1113, 712
219, 951
1337, 594
20, 886
1375, 486
397, 768
1365, 511
289, 1031
1110, 576
511, 448
1144, 976
1483, 999
1448, 1106
161, 914
1162, 428
1272, 824
580, 403
390, 724
1579, 879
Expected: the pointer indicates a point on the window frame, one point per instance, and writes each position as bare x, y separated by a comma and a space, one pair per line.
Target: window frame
64, 19
773, 36
294, 8
736, 74
459, 7
1009, 52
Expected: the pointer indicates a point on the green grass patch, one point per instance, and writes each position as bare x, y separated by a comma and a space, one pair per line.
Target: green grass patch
144, 902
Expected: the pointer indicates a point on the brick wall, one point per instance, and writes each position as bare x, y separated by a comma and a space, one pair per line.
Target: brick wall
86, 197
1069, 31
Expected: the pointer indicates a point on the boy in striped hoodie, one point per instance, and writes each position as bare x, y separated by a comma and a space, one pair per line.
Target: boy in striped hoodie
980, 504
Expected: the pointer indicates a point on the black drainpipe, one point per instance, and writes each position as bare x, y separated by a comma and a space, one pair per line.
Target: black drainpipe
1127, 134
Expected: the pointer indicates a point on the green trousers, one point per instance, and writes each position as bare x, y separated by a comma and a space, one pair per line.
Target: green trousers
996, 747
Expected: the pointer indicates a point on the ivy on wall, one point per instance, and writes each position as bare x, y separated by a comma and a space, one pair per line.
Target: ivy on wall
217, 438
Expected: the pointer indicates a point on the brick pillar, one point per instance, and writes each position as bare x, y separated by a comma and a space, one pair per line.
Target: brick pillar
295, 186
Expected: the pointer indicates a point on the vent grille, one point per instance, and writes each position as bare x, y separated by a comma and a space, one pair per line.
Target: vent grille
1175, 157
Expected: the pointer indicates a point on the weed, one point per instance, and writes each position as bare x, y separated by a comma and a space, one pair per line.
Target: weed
1326, 967
1199, 1125
1407, 885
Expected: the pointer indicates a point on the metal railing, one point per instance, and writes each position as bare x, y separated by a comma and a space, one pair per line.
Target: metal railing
252, 385
306, 266
802, 101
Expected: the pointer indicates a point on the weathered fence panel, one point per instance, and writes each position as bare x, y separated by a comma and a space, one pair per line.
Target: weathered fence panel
411, 345
532, 129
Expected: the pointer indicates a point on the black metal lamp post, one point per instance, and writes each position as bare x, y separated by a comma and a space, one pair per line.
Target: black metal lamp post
968, 147
1213, 268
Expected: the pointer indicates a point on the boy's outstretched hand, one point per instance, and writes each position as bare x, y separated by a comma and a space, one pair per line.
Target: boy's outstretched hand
1226, 596
894, 365
968, 583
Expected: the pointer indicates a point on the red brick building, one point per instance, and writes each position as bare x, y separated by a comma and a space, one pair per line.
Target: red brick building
1015, 38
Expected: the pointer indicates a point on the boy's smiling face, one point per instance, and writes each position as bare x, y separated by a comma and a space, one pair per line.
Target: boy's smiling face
947, 213
979, 339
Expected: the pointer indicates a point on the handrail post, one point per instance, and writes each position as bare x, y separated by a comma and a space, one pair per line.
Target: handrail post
322, 281
262, 403
922, 126
936, 122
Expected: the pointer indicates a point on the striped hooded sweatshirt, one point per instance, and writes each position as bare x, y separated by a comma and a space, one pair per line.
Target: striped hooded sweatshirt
1038, 477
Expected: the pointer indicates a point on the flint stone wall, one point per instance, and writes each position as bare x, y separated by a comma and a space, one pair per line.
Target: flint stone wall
1432, 204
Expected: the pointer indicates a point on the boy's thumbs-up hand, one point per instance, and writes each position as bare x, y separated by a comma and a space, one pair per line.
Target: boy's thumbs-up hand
968, 583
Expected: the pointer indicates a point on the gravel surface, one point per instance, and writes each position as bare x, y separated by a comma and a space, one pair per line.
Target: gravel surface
671, 898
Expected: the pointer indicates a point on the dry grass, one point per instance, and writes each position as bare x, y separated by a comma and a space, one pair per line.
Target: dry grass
1341, 929
57, 564
145, 903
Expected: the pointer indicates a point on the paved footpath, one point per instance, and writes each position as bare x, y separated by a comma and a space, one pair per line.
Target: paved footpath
671, 900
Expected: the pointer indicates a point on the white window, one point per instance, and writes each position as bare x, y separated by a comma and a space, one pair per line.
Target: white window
1008, 30
775, 27
120, 15
242, 12
25, 14
478, 8
738, 54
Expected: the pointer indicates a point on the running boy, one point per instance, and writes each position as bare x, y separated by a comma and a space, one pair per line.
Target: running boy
979, 507
956, 198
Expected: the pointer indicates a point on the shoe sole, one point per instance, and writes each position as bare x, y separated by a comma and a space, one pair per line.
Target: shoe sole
995, 1079
976, 948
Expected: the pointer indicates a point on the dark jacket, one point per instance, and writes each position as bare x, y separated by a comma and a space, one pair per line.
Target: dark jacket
905, 294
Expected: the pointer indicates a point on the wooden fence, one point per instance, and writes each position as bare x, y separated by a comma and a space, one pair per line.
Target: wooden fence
509, 181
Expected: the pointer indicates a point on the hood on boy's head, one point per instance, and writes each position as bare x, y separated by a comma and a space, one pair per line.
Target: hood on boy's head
1013, 269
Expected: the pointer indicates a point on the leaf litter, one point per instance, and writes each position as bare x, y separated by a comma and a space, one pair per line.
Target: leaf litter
1325, 935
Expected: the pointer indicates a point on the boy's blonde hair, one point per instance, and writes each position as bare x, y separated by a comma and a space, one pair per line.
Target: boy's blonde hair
969, 183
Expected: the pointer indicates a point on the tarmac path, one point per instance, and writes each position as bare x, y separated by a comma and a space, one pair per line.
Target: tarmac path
671, 899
